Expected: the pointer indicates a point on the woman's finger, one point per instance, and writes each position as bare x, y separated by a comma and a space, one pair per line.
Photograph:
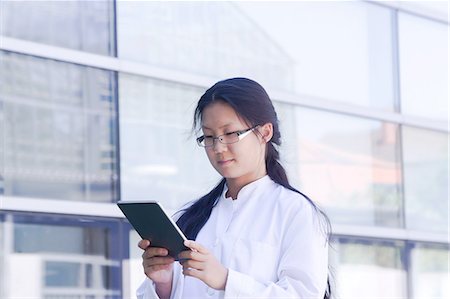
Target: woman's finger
192, 255
196, 246
193, 264
154, 268
143, 244
158, 261
154, 251
194, 273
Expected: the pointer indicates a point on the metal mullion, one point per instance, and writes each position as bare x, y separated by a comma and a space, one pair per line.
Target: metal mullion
115, 76
117, 194
396, 61
86, 144
397, 108
3, 148
408, 268
113, 27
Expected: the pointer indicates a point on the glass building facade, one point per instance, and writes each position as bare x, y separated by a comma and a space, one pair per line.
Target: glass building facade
96, 106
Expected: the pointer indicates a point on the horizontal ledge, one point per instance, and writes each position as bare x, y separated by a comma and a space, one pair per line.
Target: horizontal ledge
414, 7
58, 206
389, 233
142, 69
315, 102
108, 63
110, 210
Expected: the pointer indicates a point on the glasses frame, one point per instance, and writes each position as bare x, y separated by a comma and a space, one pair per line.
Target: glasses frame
241, 134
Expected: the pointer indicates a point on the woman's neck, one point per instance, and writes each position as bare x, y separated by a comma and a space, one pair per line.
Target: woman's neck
236, 184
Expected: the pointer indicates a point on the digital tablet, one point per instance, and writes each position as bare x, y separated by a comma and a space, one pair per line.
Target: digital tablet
152, 223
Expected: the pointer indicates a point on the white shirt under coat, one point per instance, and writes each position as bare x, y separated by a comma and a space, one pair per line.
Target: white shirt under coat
271, 240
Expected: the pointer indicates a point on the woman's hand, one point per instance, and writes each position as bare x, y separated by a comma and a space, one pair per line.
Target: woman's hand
158, 267
200, 263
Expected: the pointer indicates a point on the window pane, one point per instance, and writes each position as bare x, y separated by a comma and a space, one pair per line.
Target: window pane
426, 176
298, 47
63, 256
423, 67
350, 166
430, 268
345, 46
208, 38
62, 274
60, 128
79, 25
289, 149
160, 159
368, 269
28, 239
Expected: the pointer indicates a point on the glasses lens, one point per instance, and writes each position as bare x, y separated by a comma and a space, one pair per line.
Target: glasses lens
229, 138
201, 141
205, 141
208, 141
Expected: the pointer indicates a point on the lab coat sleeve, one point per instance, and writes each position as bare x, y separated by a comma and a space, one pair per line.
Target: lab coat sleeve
147, 289
302, 269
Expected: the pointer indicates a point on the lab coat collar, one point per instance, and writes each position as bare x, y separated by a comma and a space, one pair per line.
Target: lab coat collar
250, 190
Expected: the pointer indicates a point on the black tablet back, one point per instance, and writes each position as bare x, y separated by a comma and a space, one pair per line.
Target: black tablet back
152, 223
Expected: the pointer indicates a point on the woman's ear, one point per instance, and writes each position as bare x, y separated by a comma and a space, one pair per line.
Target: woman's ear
266, 131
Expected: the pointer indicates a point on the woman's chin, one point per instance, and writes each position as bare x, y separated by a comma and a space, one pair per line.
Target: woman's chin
227, 173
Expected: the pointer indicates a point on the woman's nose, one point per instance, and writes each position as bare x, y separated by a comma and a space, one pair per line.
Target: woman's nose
219, 147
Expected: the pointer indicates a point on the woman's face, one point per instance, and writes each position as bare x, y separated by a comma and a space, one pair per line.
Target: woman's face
244, 160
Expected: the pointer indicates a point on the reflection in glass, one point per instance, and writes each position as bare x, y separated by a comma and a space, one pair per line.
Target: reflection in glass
62, 274
28, 238
426, 175
160, 158
63, 258
288, 149
298, 47
430, 268
423, 46
79, 25
368, 269
59, 134
350, 166
340, 50
214, 39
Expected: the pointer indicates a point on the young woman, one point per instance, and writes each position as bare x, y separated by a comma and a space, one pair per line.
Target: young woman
255, 235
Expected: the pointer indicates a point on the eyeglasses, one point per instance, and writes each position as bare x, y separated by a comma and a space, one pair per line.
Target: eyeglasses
228, 138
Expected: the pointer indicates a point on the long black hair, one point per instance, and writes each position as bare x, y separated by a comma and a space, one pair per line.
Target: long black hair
252, 103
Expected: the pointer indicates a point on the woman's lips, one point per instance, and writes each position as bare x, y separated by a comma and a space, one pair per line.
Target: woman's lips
225, 162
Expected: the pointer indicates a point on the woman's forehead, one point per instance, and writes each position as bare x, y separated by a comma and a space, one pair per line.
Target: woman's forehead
219, 115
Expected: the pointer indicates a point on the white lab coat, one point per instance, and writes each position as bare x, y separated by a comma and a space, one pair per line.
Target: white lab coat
271, 240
